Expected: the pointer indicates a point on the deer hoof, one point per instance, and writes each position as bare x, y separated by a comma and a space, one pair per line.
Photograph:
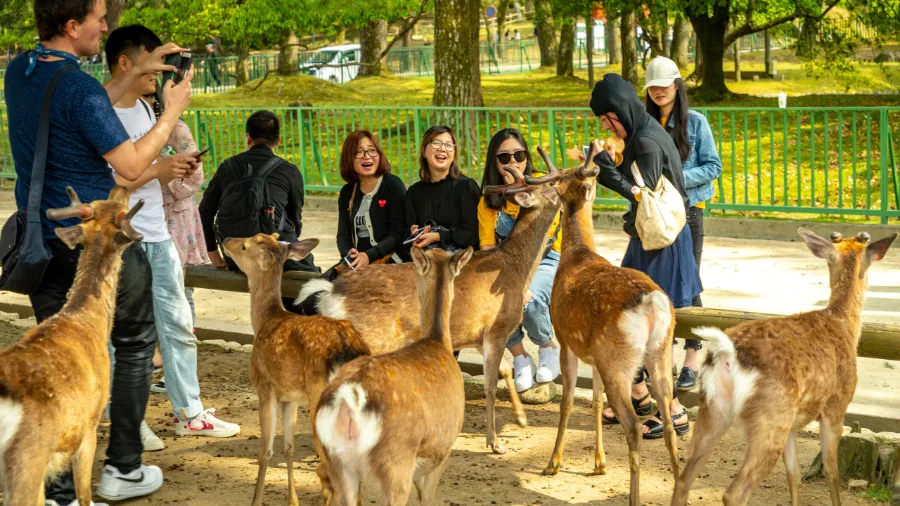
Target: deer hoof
522, 420
552, 469
599, 470
498, 449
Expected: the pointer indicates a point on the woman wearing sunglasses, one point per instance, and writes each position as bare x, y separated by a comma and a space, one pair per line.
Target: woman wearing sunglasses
443, 202
496, 217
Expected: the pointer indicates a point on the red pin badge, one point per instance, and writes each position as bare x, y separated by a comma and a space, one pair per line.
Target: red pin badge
382, 203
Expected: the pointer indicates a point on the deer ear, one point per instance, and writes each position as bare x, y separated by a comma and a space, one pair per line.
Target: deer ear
299, 250
875, 252
420, 259
819, 246
460, 260
524, 199
71, 236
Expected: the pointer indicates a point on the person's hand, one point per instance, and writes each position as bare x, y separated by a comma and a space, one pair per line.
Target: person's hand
359, 259
177, 97
412, 229
173, 166
426, 239
216, 260
528, 296
156, 62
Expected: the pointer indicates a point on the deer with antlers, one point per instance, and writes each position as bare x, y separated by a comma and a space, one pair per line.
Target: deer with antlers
293, 356
396, 415
491, 291
613, 318
777, 375
49, 422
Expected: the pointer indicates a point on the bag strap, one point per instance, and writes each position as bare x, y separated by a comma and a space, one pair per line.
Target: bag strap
269, 166
39, 165
146, 108
636, 174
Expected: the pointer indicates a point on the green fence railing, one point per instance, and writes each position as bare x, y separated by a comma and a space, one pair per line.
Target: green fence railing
839, 161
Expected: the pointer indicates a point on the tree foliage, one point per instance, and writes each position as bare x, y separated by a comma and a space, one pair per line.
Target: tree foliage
16, 24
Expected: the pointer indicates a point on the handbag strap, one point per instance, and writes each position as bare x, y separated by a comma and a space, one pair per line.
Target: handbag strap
636, 174
36, 190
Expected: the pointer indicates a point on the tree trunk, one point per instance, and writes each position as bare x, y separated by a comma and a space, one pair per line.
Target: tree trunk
737, 60
241, 70
613, 41
457, 74
680, 37
288, 58
114, 9
809, 36
341, 36
407, 37
589, 35
372, 41
768, 42
546, 33
502, 9
565, 59
710, 32
629, 48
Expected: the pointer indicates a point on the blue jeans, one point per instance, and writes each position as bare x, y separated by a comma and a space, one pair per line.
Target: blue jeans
536, 319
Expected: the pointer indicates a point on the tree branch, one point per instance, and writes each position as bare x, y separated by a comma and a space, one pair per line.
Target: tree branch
748, 28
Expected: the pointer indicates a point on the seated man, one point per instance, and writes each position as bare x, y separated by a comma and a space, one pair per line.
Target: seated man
126, 47
253, 192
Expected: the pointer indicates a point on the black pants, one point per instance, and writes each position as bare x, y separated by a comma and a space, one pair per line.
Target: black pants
695, 222
133, 337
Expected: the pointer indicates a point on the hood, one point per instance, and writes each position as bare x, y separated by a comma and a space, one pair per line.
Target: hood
614, 94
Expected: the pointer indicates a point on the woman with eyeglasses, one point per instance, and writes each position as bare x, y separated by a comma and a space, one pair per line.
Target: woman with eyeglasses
496, 217
371, 205
444, 202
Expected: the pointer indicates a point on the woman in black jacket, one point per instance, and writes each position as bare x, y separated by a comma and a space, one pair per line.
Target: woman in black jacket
673, 268
371, 205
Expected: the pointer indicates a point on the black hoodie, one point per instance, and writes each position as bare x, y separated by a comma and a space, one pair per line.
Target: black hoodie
647, 143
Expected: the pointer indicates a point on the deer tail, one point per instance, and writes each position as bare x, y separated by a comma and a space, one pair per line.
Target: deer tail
725, 384
347, 424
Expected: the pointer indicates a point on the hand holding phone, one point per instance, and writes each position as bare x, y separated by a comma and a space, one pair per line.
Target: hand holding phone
182, 63
419, 232
349, 262
200, 154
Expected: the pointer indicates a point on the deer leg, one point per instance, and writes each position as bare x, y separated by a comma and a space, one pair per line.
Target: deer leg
792, 466
492, 357
395, 476
24, 475
663, 388
506, 372
267, 405
289, 420
428, 494
82, 463
568, 362
830, 431
765, 440
708, 430
597, 405
618, 393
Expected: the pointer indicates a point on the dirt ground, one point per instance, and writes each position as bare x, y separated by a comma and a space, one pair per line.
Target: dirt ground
207, 472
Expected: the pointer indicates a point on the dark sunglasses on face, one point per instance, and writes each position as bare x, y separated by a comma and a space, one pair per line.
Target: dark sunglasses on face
520, 156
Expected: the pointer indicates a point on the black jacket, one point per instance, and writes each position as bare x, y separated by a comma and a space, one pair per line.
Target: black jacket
647, 143
386, 216
451, 203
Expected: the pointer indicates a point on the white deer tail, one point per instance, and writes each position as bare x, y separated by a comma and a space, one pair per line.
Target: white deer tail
662, 319
346, 429
726, 384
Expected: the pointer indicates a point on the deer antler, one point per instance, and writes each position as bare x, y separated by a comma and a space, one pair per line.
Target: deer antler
76, 209
125, 223
509, 189
553, 174
583, 172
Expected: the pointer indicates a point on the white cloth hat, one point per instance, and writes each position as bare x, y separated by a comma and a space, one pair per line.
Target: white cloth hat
661, 72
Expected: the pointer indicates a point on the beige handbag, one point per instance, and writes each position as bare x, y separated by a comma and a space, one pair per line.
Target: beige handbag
660, 212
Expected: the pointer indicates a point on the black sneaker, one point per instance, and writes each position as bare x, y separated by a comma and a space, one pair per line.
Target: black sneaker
159, 388
687, 380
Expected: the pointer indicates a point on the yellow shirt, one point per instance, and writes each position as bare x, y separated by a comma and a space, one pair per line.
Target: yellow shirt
487, 224
699, 205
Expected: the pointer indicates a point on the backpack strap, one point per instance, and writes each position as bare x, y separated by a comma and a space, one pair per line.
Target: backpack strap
146, 108
269, 166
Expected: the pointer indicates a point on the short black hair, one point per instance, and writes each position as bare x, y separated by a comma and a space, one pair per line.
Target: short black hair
51, 16
127, 40
264, 125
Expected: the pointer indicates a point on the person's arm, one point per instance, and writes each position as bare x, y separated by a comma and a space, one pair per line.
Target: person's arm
487, 225
119, 85
709, 165
209, 204
345, 224
294, 208
411, 218
612, 178
166, 170
649, 158
466, 233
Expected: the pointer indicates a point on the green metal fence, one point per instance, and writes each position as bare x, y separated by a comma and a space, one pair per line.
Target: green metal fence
798, 160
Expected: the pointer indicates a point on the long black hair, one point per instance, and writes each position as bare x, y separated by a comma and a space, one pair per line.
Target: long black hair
492, 175
680, 115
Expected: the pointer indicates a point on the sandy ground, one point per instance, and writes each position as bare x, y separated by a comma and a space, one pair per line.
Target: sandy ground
212, 472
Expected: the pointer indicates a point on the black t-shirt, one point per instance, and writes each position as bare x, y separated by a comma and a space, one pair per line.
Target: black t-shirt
452, 203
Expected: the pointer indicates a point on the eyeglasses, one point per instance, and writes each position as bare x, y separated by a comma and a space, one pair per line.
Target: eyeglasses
520, 156
372, 152
448, 146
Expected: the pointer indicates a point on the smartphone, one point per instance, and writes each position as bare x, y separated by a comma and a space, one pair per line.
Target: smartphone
415, 236
587, 152
181, 62
349, 262
202, 153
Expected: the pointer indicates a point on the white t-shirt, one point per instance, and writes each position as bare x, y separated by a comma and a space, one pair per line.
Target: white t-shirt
151, 219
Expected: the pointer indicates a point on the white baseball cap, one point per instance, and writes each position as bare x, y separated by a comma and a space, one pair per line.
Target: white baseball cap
661, 72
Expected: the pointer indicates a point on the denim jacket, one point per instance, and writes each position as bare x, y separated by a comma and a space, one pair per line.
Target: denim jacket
704, 165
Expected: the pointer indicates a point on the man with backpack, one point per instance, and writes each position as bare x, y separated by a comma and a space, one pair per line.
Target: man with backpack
255, 192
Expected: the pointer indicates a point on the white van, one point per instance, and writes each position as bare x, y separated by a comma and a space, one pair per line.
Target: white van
334, 55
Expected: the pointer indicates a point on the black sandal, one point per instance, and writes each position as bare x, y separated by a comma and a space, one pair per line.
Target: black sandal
656, 428
640, 410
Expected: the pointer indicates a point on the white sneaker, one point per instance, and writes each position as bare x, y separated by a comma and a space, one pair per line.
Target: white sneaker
152, 442
548, 370
159, 387
116, 486
523, 372
205, 424
51, 502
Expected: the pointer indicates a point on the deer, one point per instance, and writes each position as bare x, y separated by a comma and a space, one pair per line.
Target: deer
777, 375
395, 416
293, 356
613, 318
48, 422
490, 295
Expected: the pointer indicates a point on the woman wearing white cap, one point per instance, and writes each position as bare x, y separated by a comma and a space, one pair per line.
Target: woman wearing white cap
667, 102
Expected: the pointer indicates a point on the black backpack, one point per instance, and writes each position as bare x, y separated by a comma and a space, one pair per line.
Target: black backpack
244, 207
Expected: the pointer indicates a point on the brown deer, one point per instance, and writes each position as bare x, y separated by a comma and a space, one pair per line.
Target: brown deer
381, 306
293, 356
396, 415
49, 421
779, 374
612, 318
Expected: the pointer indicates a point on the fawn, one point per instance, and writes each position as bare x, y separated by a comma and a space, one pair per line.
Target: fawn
293, 356
49, 421
397, 414
610, 317
779, 374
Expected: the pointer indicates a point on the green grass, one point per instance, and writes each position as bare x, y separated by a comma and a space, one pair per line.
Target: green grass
878, 493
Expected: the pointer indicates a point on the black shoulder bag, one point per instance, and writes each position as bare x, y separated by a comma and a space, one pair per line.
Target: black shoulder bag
24, 254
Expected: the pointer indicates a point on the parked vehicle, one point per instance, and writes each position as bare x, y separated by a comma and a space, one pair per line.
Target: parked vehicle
334, 55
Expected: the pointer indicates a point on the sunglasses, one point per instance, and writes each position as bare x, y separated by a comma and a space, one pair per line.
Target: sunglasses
520, 156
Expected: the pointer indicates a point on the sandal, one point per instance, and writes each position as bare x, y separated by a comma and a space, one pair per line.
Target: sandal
656, 428
639, 409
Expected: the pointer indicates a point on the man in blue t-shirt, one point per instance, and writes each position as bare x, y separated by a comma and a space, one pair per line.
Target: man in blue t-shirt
85, 136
